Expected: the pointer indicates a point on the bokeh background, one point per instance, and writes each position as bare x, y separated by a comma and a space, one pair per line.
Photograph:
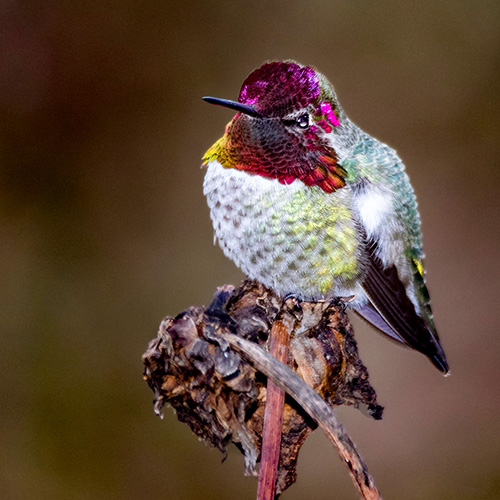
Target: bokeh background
104, 231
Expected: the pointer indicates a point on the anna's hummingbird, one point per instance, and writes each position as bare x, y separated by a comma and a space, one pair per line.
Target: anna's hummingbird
308, 204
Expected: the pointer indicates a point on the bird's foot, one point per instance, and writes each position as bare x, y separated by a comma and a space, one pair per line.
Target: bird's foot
293, 303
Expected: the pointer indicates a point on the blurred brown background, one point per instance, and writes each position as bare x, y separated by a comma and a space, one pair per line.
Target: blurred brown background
104, 230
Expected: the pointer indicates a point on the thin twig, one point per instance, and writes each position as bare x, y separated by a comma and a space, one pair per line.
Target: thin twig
315, 406
273, 416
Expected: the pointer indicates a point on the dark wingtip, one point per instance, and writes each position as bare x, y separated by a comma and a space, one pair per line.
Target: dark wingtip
237, 106
439, 361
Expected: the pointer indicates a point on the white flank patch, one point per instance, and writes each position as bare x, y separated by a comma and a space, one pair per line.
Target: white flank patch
375, 210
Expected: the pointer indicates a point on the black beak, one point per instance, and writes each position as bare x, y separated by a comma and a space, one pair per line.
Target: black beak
237, 106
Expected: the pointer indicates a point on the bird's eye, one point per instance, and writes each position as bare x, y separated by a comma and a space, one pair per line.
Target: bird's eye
303, 121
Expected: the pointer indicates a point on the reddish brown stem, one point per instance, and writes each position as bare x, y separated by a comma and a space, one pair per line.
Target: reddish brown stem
273, 416
313, 404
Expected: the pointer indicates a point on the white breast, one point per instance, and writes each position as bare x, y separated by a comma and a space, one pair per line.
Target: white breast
292, 238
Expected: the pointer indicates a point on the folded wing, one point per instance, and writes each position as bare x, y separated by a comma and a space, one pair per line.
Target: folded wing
392, 312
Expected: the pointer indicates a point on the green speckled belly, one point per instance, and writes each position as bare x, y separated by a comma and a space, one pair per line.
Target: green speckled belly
293, 238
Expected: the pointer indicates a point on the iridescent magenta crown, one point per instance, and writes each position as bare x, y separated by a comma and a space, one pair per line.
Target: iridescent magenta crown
277, 88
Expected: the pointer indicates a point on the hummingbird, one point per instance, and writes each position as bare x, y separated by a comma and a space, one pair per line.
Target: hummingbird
307, 203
